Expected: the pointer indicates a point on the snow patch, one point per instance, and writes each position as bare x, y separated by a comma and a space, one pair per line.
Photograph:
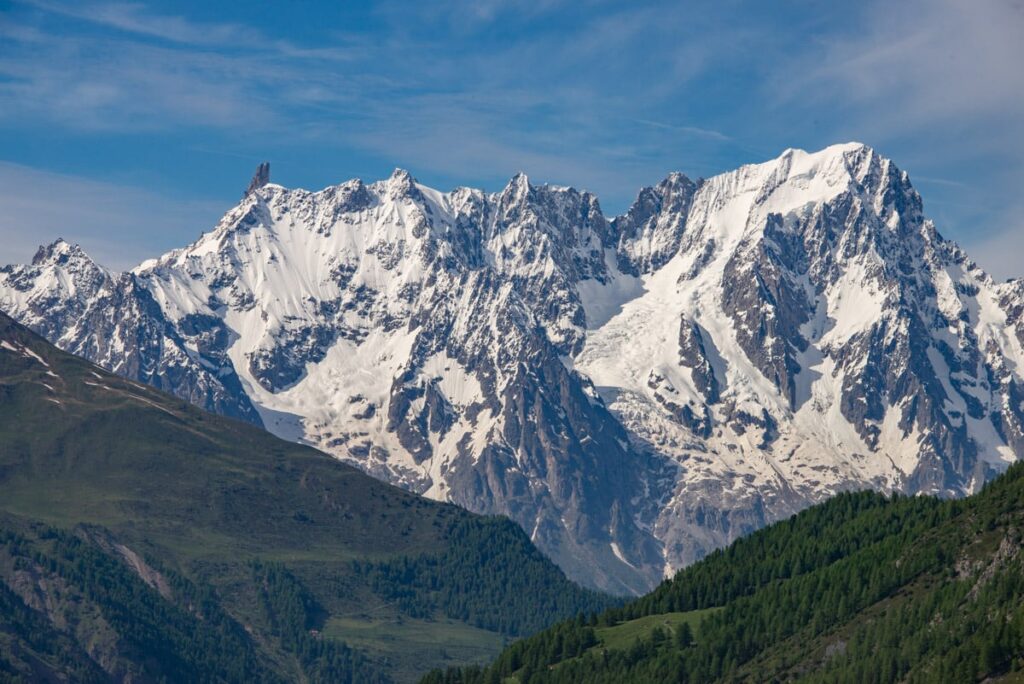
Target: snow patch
618, 554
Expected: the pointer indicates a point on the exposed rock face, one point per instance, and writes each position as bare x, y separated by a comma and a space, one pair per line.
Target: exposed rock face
260, 178
633, 392
115, 321
650, 232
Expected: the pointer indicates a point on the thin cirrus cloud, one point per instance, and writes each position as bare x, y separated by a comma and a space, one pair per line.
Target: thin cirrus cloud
151, 71
940, 60
118, 87
119, 226
246, 68
138, 19
586, 93
686, 130
135, 18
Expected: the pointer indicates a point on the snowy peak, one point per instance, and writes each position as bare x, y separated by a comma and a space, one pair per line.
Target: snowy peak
518, 188
649, 233
54, 288
401, 185
59, 248
61, 253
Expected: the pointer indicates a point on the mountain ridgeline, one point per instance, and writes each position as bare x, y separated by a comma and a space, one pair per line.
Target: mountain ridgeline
143, 539
634, 392
862, 588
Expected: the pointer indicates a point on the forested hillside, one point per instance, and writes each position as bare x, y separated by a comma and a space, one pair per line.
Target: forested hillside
862, 588
143, 535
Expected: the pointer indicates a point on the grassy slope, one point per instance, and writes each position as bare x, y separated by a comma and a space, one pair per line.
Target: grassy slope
621, 636
859, 589
391, 639
205, 495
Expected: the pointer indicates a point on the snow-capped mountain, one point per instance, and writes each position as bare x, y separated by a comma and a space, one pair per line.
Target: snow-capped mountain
633, 392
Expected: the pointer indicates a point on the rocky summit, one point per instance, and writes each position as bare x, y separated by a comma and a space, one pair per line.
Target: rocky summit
634, 392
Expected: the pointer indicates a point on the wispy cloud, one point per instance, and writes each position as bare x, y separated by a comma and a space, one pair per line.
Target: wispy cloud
924, 61
196, 74
686, 130
117, 225
229, 75
945, 182
137, 18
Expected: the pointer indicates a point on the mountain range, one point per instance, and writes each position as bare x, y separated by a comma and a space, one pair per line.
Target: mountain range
634, 391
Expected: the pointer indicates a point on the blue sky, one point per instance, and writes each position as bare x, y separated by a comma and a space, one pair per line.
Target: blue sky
131, 127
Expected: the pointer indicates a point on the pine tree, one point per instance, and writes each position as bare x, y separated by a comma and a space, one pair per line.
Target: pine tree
684, 635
